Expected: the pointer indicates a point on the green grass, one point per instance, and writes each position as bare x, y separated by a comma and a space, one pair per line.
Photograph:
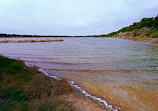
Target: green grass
20, 86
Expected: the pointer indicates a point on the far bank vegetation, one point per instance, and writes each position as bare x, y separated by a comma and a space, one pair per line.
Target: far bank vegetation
146, 28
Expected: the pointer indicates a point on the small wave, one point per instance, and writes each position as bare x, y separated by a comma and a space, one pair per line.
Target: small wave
63, 63
82, 91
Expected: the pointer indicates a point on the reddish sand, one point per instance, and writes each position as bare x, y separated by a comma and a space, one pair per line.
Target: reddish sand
127, 98
136, 38
119, 92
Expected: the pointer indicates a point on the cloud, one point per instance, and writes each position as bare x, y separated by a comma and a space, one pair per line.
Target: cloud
72, 16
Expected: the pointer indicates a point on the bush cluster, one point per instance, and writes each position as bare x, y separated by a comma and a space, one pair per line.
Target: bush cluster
20, 86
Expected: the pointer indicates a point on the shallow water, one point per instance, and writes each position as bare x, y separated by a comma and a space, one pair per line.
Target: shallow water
114, 69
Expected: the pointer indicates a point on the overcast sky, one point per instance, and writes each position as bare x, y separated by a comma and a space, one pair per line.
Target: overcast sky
72, 17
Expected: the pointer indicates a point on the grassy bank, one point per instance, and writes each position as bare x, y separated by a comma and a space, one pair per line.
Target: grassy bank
23, 88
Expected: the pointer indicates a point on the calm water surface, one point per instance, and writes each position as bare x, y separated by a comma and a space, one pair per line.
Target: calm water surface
98, 65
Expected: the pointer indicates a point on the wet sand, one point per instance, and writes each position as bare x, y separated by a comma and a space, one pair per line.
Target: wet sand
116, 88
126, 98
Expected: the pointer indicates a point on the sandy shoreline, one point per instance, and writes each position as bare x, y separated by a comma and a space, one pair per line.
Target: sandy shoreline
39, 88
127, 98
80, 103
134, 96
141, 39
81, 100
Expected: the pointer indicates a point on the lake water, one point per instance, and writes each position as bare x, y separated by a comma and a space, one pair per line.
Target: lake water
123, 72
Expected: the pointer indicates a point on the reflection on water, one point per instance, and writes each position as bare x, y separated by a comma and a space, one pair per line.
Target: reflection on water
117, 70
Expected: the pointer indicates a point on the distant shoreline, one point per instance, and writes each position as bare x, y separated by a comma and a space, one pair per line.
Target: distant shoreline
4, 35
140, 39
36, 37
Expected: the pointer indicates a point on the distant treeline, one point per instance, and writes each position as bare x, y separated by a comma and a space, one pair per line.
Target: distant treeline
18, 35
151, 25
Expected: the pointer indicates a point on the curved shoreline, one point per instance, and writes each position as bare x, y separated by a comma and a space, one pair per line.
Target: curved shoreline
140, 39
136, 39
109, 107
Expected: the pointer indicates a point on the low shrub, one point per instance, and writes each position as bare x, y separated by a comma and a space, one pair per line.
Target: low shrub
49, 105
62, 86
17, 106
154, 35
20, 85
39, 87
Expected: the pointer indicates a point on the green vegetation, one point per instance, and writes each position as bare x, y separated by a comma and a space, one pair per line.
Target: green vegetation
154, 34
23, 88
147, 27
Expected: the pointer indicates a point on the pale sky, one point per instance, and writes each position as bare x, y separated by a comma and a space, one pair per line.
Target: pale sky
72, 17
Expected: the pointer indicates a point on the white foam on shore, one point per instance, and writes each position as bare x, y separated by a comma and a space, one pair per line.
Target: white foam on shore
82, 91
72, 83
